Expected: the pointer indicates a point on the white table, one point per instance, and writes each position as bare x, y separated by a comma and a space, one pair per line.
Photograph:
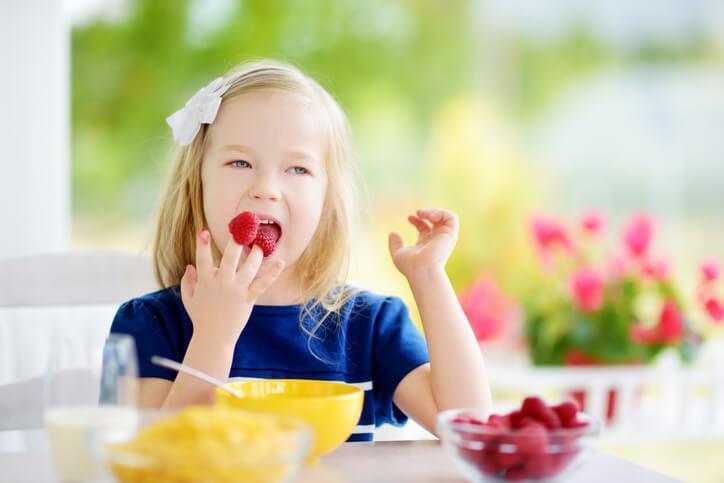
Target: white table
382, 462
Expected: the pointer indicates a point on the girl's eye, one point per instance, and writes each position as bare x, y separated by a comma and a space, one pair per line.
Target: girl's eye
240, 164
299, 170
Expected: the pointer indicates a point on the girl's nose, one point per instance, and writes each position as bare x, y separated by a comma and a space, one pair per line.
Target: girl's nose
265, 189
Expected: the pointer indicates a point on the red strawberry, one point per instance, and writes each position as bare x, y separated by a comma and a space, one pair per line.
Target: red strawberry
266, 241
243, 227
566, 411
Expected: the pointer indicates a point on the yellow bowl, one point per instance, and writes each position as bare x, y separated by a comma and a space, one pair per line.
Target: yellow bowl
331, 409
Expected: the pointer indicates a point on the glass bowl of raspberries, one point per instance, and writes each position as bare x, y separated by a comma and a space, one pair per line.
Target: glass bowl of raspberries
537, 442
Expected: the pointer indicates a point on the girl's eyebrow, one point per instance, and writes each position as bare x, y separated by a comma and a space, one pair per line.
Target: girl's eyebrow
300, 153
296, 153
239, 147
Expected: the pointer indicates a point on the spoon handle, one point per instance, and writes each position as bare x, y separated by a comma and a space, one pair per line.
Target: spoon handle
176, 366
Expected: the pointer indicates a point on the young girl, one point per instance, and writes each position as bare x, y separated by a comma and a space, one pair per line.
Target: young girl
268, 139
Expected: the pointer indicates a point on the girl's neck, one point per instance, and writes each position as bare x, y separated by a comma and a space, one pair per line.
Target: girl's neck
285, 290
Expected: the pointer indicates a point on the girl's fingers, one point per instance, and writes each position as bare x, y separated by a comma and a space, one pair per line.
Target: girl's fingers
264, 280
204, 259
395, 242
419, 223
250, 267
439, 217
230, 260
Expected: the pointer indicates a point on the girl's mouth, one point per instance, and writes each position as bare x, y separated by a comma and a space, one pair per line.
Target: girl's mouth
251, 229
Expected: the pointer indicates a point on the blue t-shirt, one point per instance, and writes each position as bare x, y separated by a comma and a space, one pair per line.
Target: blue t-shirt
371, 343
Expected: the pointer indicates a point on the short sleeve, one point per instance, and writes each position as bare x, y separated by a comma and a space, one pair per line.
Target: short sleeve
137, 319
398, 349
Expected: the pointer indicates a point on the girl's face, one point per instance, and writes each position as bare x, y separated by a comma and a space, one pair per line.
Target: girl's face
265, 154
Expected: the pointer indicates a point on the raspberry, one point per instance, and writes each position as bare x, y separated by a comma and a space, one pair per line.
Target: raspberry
516, 419
468, 420
266, 241
517, 474
532, 439
576, 424
517, 444
244, 227
566, 411
532, 406
487, 462
510, 457
524, 421
497, 421
539, 466
549, 418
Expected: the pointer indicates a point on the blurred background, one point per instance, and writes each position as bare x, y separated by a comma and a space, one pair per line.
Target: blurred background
492, 108
496, 109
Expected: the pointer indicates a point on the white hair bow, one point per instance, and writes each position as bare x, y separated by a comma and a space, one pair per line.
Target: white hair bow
200, 109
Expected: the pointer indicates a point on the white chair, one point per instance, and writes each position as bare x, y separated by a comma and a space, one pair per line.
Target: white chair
46, 296
74, 278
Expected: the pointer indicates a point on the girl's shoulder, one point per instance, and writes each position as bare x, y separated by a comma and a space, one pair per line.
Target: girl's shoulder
161, 303
365, 303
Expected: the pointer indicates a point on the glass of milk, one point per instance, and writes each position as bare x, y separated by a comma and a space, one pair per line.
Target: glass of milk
90, 390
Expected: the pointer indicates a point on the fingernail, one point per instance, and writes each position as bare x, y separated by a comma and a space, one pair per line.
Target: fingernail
204, 235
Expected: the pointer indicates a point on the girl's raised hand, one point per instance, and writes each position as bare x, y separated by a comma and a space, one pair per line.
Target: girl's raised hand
437, 233
219, 299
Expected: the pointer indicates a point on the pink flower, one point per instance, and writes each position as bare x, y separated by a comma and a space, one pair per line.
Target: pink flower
710, 271
587, 289
644, 335
671, 323
669, 329
618, 267
657, 269
487, 308
638, 235
715, 309
549, 233
592, 223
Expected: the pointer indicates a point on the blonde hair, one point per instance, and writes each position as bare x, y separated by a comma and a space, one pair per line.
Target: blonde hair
322, 268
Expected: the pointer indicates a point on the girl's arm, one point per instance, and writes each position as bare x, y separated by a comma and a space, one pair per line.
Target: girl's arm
219, 301
205, 355
456, 376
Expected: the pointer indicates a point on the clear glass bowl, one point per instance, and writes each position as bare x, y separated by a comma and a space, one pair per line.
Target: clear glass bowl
212, 453
484, 453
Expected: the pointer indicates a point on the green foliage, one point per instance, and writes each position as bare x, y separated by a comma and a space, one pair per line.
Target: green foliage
128, 76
